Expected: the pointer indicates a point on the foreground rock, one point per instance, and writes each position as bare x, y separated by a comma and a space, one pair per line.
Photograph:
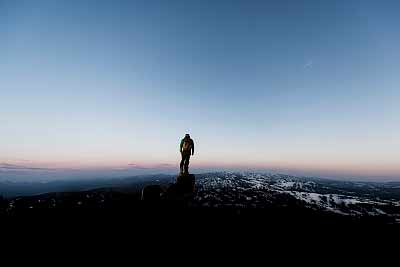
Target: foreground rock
182, 190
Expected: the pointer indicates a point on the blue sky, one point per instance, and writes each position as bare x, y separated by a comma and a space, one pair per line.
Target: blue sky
298, 86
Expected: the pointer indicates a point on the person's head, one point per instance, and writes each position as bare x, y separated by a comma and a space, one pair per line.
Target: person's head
187, 135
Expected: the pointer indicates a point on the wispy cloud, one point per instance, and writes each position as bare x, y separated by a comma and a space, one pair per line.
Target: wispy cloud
155, 166
8, 166
165, 165
137, 166
309, 64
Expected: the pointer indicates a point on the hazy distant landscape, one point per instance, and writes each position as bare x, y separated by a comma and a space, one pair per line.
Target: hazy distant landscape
10, 188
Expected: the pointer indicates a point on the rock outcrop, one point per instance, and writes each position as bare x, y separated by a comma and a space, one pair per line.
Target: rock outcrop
182, 190
152, 194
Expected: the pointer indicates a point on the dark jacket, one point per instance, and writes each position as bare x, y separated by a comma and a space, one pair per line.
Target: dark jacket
191, 145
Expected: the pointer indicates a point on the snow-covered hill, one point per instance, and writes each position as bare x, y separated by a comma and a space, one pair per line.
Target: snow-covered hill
258, 190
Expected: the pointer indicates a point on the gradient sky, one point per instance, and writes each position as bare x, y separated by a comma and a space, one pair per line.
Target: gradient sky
300, 86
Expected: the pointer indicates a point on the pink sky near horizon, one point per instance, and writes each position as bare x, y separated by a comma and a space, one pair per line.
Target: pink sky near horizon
342, 170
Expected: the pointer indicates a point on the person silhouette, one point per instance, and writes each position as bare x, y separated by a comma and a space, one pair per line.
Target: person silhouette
186, 149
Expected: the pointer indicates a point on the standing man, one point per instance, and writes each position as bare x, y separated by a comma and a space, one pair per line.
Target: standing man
186, 148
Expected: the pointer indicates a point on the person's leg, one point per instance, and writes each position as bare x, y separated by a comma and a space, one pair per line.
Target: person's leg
187, 158
182, 162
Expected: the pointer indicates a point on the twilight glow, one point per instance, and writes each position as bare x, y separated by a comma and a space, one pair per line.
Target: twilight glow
302, 87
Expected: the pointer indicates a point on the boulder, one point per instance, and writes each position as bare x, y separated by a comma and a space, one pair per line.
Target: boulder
185, 184
152, 193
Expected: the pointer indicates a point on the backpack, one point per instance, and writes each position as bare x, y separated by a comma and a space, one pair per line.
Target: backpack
187, 145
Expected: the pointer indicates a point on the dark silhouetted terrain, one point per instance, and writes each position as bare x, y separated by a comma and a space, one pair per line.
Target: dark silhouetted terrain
248, 197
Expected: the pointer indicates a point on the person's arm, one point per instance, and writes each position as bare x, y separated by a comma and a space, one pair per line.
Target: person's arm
192, 147
180, 147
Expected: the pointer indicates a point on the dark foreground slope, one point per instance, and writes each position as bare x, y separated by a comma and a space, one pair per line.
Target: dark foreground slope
220, 201
259, 214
